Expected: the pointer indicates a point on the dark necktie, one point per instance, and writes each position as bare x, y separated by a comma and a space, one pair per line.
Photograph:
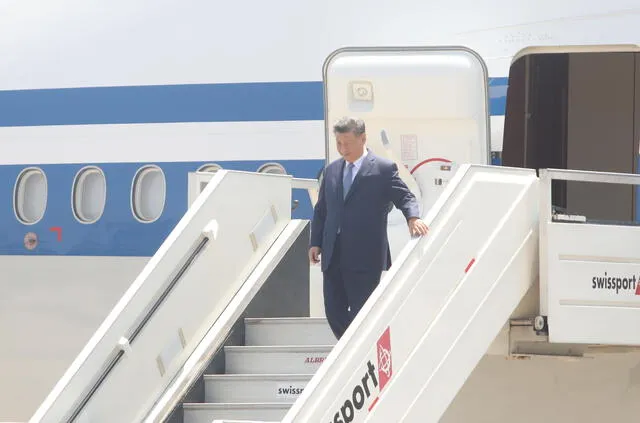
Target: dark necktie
347, 180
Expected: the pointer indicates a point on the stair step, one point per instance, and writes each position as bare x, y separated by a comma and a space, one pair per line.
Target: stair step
291, 359
288, 331
254, 388
240, 421
207, 412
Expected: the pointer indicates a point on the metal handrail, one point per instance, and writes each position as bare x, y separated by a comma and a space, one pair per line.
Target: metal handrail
305, 183
546, 175
549, 175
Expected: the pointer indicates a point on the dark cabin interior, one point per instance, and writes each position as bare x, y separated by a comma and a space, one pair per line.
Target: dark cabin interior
577, 111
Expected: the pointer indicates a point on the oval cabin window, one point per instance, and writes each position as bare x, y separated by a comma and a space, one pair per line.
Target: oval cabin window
275, 168
89, 195
30, 196
148, 193
210, 168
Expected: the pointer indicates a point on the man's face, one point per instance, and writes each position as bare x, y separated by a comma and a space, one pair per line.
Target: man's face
350, 146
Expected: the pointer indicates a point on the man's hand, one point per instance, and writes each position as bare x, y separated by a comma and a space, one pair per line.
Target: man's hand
314, 255
417, 227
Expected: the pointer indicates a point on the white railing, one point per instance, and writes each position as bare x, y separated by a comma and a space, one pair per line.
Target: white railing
199, 180
438, 309
589, 269
214, 339
191, 284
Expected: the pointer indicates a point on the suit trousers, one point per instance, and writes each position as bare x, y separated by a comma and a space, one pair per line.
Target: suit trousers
345, 291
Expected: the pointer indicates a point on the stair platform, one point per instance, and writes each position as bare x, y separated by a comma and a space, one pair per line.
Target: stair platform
208, 412
289, 331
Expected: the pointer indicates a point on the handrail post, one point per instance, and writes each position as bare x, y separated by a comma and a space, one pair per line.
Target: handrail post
311, 185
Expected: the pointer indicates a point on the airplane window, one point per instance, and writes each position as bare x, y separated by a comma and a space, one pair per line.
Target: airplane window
89, 195
212, 168
148, 193
275, 168
30, 196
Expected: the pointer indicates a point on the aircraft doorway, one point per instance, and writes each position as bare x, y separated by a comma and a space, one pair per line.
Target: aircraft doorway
578, 110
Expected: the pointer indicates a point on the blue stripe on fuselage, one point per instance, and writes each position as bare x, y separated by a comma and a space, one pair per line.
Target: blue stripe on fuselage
241, 102
286, 101
498, 96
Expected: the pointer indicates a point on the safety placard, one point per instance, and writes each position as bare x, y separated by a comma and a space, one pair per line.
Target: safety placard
409, 147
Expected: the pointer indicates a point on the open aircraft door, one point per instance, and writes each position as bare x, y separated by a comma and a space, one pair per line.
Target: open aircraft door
424, 108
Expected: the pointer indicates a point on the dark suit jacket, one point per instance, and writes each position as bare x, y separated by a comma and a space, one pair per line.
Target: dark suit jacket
362, 215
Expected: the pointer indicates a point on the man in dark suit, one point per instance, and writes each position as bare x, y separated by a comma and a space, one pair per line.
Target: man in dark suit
349, 226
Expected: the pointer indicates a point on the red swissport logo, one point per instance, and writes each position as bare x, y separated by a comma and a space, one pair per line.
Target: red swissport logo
385, 370
374, 377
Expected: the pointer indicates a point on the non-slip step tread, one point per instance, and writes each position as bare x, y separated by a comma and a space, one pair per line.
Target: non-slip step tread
257, 377
288, 331
237, 405
251, 360
285, 320
257, 349
242, 421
